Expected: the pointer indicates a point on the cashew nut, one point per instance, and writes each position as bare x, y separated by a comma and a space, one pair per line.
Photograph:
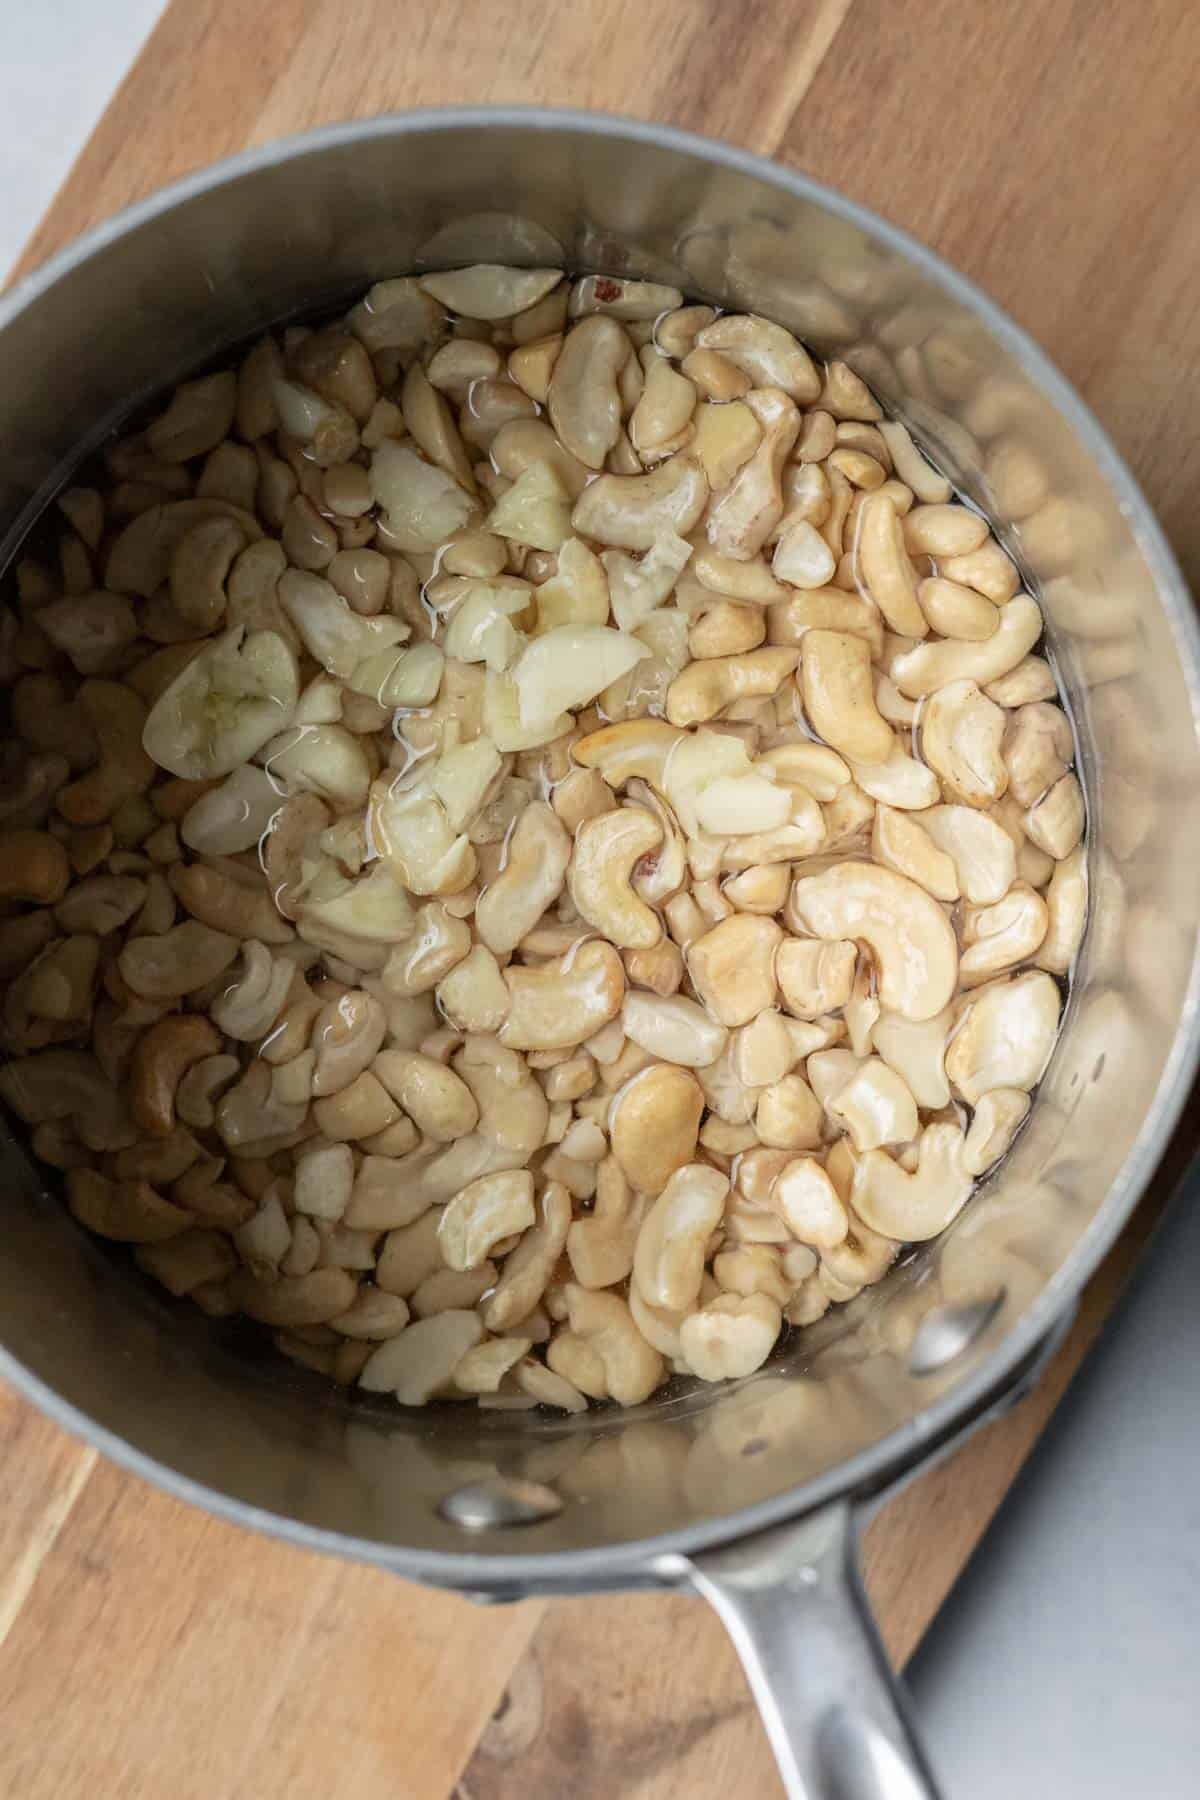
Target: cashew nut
909, 934
632, 512
482, 1214
653, 1126
930, 666
733, 967
668, 1262
839, 696
913, 1207
961, 736
731, 1336
531, 880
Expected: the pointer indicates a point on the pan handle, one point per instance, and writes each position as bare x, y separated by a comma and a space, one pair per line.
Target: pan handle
793, 1603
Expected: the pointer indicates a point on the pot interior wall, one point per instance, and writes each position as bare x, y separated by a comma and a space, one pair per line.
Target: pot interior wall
158, 296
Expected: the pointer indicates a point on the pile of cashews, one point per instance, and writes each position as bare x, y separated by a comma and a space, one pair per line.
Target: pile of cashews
538, 847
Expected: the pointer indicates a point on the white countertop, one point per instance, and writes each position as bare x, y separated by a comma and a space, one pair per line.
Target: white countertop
62, 62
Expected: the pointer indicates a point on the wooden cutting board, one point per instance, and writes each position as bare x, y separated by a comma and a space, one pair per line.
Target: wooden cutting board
1051, 152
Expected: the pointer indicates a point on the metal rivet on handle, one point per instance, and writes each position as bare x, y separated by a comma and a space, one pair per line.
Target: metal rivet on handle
947, 1331
489, 1505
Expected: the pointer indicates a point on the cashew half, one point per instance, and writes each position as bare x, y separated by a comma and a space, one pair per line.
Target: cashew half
668, 1262
653, 1125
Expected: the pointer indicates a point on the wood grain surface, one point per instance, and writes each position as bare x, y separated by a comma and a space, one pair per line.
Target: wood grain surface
147, 1650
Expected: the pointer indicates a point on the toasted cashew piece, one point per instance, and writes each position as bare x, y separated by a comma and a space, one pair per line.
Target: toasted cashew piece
731, 1336
909, 934
913, 1207
668, 1261
598, 880
653, 1124
839, 696
565, 1002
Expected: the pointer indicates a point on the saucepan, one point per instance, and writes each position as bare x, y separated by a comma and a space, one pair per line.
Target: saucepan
749, 1493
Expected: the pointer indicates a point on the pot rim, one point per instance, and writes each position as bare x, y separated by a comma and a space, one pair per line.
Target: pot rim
661, 1557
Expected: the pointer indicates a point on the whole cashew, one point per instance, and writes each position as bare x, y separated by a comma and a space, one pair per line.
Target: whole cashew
598, 879
668, 1262
839, 696
564, 1003
161, 1060
249, 1008
706, 688
909, 934
629, 512
749, 509
582, 399
528, 1269
530, 881
632, 1367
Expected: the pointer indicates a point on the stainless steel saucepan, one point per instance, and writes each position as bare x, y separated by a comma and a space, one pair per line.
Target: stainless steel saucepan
747, 1493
